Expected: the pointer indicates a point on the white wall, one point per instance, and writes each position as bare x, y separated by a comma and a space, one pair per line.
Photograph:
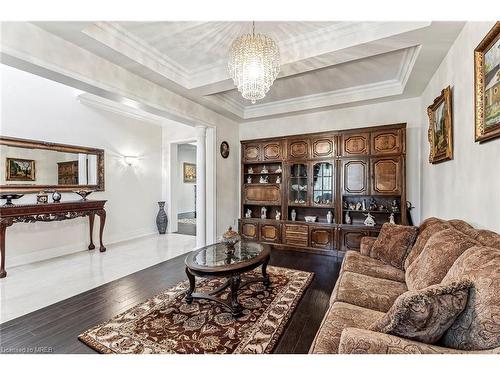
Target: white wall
467, 187
185, 203
392, 112
36, 108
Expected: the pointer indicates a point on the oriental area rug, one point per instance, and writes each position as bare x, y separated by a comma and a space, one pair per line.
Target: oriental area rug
167, 324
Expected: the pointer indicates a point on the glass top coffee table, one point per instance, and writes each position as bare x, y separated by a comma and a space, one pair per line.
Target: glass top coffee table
221, 261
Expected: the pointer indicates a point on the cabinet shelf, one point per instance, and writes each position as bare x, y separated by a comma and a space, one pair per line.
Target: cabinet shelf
373, 211
262, 174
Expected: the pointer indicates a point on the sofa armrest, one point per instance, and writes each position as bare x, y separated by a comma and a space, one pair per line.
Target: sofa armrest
366, 245
362, 341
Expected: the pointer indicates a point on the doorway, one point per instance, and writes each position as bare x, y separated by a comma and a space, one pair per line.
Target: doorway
186, 197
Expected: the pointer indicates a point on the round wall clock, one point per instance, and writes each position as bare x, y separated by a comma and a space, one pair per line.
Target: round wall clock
224, 149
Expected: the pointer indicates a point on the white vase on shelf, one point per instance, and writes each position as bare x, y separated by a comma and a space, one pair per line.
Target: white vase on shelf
294, 215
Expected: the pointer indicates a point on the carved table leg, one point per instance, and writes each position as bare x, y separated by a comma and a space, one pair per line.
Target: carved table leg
235, 285
267, 281
102, 221
91, 230
3, 226
192, 284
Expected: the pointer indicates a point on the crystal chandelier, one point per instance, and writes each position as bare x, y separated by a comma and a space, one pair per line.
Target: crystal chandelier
254, 64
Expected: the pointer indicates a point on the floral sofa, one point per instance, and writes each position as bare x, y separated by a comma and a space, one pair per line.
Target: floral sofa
443, 251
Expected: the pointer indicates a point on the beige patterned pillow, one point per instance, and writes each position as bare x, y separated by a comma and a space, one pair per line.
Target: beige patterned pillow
425, 315
393, 243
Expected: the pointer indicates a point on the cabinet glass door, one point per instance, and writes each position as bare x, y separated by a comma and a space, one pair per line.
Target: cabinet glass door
298, 184
322, 184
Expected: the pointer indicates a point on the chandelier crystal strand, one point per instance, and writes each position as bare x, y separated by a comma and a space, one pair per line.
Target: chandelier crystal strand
254, 64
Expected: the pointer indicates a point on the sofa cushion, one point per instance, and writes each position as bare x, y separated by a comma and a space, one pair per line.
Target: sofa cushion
366, 245
436, 258
339, 316
358, 263
393, 243
478, 327
425, 231
367, 291
425, 315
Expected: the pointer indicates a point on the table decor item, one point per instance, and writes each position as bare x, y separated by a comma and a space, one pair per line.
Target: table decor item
329, 217
370, 220
42, 198
263, 213
161, 218
9, 197
293, 215
83, 193
347, 218
56, 196
310, 219
230, 238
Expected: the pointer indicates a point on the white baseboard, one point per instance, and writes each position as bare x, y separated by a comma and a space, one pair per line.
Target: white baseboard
54, 252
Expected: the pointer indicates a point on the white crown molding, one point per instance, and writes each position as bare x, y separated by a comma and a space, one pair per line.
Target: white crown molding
122, 109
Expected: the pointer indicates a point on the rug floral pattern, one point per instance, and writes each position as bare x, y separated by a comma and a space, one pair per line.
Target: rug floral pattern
167, 324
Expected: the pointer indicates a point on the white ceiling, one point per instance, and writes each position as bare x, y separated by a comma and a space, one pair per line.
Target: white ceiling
324, 64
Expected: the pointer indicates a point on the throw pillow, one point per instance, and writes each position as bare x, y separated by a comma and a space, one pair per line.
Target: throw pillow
393, 243
425, 315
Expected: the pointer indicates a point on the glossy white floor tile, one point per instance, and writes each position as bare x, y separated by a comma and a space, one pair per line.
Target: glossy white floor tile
30, 287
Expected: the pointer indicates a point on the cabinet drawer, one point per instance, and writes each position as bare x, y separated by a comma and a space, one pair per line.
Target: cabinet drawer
296, 242
296, 228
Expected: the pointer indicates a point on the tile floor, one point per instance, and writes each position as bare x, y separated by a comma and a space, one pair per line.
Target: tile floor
32, 286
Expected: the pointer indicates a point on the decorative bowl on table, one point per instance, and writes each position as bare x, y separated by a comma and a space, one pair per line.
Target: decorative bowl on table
230, 238
9, 197
83, 193
310, 219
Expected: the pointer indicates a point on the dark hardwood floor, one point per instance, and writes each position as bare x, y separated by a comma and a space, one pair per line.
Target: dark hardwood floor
55, 328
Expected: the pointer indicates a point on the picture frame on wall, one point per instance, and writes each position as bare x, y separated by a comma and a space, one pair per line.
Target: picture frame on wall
487, 86
20, 169
189, 173
440, 132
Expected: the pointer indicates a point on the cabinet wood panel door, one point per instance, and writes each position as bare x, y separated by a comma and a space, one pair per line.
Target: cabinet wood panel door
321, 238
266, 194
270, 233
251, 152
386, 176
387, 142
355, 176
323, 147
272, 151
351, 239
298, 149
249, 231
355, 144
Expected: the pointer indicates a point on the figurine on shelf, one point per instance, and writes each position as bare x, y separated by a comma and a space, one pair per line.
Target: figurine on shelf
391, 218
293, 215
373, 205
395, 206
329, 217
302, 187
264, 170
302, 201
249, 179
264, 179
347, 218
370, 220
263, 213
278, 180
363, 205
279, 170
248, 213
345, 206
381, 207
296, 201
352, 206
250, 170
278, 215
358, 206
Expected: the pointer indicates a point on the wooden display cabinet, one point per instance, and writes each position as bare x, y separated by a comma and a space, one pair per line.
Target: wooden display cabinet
312, 174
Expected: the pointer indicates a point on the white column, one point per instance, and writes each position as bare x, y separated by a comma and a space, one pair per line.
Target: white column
201, 220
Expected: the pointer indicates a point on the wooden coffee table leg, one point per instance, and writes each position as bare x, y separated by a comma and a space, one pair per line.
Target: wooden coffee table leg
267, 281
235, 285
192, 284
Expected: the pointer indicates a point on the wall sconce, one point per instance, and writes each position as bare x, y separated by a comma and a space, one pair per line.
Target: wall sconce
130, 160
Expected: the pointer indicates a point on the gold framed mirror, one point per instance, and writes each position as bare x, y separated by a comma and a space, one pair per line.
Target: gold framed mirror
29, 166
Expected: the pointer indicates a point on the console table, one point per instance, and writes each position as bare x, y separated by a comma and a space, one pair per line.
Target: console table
31, 213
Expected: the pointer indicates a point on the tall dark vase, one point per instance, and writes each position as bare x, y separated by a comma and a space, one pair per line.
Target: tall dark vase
162, 219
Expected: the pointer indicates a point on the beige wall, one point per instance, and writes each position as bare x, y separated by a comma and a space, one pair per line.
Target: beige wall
467, 187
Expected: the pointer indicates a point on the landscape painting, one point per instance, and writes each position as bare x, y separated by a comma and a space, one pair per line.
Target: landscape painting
20, 169
189, 173
441, 128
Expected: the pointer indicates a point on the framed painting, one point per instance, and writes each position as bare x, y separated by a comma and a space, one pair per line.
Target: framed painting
20, 169
441, 128
487, 86
189, 172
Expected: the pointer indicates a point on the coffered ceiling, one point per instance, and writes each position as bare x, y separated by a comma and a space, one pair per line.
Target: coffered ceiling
324, 64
